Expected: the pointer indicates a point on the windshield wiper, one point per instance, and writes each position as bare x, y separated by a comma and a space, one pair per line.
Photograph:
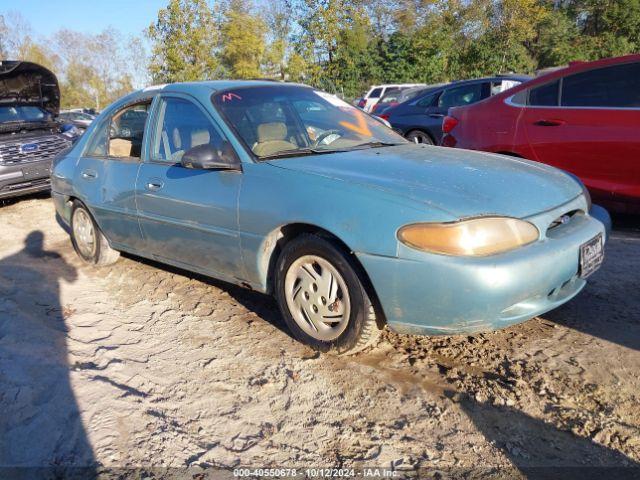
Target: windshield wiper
374, 144
298, 153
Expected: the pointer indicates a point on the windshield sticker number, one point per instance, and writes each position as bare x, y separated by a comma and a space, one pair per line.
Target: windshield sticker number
230, 96
361, 127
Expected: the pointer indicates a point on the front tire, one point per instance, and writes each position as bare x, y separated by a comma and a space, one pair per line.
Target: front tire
420, 137
322, 298
87, 239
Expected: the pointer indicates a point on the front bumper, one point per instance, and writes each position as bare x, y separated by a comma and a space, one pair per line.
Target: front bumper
22, 179
428, 294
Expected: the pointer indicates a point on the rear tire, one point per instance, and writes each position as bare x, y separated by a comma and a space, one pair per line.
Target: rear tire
420, 137
87, 239
322, 298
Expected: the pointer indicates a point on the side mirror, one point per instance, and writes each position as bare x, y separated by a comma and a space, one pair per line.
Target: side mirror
207, 157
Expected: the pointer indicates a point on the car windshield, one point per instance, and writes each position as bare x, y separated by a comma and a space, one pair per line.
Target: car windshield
286, 120
22, 113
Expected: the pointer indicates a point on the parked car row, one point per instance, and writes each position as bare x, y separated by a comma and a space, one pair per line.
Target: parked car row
80, 119
420, 118
584, 119
370, 99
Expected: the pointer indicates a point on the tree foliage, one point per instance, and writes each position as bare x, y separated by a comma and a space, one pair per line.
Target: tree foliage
185, 40
93, 69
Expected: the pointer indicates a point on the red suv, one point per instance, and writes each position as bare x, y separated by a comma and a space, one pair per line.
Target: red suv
584, 118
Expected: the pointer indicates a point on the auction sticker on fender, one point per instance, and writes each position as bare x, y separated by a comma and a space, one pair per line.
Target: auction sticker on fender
591, 255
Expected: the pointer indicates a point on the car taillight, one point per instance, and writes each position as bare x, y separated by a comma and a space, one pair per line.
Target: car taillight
384, 116
449, 123
362, 103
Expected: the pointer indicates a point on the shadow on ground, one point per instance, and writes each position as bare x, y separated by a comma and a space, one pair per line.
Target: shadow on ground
41, 426
540, 450
605, 309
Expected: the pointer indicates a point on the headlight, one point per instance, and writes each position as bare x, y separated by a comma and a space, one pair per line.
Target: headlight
475, 237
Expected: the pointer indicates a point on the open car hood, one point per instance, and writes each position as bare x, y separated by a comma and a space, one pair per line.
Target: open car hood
27, 83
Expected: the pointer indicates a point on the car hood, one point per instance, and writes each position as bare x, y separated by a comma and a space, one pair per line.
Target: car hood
462, 183
28, 83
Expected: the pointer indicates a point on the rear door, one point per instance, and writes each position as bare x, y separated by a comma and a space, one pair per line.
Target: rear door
107, 171
591, 128
188, 216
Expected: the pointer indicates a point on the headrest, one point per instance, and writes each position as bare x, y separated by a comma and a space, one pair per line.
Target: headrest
177, 139
199, 137
271, 131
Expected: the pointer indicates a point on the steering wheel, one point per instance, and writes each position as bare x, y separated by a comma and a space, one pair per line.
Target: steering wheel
324, 135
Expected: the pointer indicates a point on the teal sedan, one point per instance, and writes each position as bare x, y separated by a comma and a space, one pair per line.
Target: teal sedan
290, 191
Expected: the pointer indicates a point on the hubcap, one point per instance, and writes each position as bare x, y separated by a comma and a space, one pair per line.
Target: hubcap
84, 233
317, 297
420, 138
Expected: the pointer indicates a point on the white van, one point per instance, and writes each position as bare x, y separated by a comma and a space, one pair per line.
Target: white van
376, 92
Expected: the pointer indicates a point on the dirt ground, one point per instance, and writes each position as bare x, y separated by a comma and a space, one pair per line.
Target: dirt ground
142, 365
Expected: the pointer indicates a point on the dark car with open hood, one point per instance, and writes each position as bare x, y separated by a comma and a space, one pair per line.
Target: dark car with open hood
31, 134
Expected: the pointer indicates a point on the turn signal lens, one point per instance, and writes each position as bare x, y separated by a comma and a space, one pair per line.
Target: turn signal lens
475, 237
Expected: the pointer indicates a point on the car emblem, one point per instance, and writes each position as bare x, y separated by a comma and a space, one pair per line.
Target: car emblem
29, 147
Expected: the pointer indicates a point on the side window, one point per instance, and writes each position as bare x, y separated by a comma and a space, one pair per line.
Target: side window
463, 95
427, 101
545, 95
183, 125
616, 86
126, 131
99, 142
376, 93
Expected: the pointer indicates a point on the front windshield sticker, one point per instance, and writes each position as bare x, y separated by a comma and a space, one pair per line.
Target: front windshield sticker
228, 97
362, 128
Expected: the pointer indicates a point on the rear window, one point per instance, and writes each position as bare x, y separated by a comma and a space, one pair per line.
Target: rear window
545, 95
616, 86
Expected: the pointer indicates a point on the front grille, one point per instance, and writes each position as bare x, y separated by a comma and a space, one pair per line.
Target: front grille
41, 182
562, 220
48, 147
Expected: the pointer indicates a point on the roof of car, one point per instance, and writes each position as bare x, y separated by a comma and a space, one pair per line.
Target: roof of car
217, 84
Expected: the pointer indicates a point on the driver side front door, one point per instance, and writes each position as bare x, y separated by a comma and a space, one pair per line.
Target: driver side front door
188, 217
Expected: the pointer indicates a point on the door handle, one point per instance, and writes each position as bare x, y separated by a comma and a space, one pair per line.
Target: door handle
89, 174
436, 115
154, 185
556, 122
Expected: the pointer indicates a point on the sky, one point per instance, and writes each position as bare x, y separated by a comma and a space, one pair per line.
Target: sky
131, 17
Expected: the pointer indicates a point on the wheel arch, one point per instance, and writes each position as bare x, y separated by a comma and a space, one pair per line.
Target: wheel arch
275, 241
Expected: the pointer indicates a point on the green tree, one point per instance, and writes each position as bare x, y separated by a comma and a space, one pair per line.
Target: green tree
184, 43
243, 40
278, 20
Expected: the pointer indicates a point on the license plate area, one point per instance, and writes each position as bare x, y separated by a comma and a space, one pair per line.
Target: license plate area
591, 255
36, 171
